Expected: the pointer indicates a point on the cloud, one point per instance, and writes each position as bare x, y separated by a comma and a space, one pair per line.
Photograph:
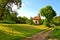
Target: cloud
26, 13
14, 7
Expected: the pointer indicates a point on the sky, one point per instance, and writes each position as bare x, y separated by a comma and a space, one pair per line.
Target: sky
31, 8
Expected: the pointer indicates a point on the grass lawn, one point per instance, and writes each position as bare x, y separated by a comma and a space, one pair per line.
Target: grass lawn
56, 33
19, 31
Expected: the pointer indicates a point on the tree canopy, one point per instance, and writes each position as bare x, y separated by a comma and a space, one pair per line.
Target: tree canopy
6, 12
48, 12
7, 3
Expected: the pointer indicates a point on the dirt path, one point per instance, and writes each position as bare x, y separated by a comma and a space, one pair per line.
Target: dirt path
40, 36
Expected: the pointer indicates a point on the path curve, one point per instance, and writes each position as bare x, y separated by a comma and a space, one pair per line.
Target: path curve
41, 35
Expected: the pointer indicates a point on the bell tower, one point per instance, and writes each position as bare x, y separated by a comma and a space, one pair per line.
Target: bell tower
39, 16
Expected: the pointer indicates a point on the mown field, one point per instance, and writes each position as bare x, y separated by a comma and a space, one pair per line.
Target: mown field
19, 31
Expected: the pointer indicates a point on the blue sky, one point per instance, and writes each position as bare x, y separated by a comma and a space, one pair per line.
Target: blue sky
31, 7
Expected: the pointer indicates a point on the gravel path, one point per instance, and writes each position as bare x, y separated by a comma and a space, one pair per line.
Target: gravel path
40, 36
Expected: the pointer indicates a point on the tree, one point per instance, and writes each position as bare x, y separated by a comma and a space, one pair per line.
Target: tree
48, 12
6, 13
8, 3
28, 21
31, 20
23, 20
6, 6
13, 16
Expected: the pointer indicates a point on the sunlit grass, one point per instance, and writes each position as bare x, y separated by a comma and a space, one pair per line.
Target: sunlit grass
41, 27
20, 30
9, 30
33, 26
24, 28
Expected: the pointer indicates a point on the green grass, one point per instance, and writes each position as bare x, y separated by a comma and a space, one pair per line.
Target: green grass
56, 33
4, 36
18, 31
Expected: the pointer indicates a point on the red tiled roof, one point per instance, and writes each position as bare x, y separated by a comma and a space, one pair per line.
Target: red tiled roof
36, 18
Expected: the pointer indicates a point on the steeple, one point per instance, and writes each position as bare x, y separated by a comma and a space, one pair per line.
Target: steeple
39, 15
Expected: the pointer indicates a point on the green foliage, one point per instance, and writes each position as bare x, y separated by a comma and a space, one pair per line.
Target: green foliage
28, 21
56, 20
7, 22
13, 16
41, 21
46, 22
31, 20
9, 17
6, 9
3, 3
23, 20
56, 34
20, 19
48, 12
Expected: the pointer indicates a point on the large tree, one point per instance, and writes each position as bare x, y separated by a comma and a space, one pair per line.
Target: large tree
48, 12
6, 6
8, 3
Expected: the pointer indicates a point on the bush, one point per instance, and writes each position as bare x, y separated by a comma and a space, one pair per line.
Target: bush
57, 23
46, 22
56, 20
41, 22
56, 33
28, 21
8, 22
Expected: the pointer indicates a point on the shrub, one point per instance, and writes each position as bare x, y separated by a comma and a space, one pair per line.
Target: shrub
46, 22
